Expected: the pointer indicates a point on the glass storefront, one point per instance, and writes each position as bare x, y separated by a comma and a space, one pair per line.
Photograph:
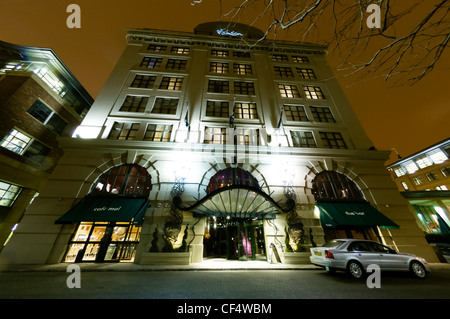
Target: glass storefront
103, 242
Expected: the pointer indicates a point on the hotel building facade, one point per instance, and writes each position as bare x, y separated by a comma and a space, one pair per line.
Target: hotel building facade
212, 144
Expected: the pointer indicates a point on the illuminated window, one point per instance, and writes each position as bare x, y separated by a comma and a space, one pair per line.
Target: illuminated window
134, 103
437, 156
156, 48
442, 188
124, 131
245, 110
151, 63
313, 92
333, 140
158, 133
143, 81
8, 194
171, 83
295, 113
51, 80
303, 139
216, 86
215, 135
279, 57
334, 186
417, 180
220, 53
290, 91
322, 114
284, 72
431, 176
300, 59
245, 88
242, 69
247, 136
399, 171
218, 67
423, 161
217, 108
405, 186
165, 106
47, 116
306, 73
24, 145
411, 167
175, 64
445, 171
180, 50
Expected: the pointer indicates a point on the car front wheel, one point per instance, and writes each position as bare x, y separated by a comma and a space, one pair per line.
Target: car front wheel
355, 270
417, 269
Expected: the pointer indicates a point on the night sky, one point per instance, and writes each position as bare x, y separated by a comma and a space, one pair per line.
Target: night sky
407, 118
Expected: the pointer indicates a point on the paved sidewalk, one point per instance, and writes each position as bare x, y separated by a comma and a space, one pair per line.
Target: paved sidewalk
210, 264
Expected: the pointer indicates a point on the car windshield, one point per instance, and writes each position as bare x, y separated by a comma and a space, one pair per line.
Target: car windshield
334, 243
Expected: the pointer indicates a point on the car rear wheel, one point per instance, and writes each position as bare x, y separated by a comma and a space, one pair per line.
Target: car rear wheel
417, 269
355, 270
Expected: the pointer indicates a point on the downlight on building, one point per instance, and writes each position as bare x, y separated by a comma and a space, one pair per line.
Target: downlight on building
214, 144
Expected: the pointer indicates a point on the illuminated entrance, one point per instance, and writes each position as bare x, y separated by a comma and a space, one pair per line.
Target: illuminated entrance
234, 239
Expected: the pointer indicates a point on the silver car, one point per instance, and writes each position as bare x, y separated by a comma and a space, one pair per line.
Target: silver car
355, 255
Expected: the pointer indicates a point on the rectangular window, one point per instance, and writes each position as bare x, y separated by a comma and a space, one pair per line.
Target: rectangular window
171, 83
322, 114
165, 106
124, 131
241, 54
313, 92
284, 72
399, 171
242, 69
180, 50
303, 139
134, 103
411, 167
221, 53
300, 59
46, 116
423, 161
150, 62
295, 113
246, 88
279, 57
158, 133
36, 151
445, 171
245, 110
405, 186
247, 136
143, 81
156, 48
418, 180
217, 108
306, 73
16, 142
290, 91
437, 156
333, 140
8, 194
216, 86
215, 135
175, 64
431, 176
218, 67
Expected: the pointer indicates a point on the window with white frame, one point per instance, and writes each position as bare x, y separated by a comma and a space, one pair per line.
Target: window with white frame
306, 73
242, 69
303, 139
151, 62
158, 133
246, 136
295, 112
218, 108
438, 156
283, 72
245, 88
171, 83
124, 131
215, 135
165, 106
411, 167
8, 193
219, 53
313, 92
243, 110
24, 145
279, 57
218, 86
156, 48
333, 140
218, 67
289, 90
143, 81
180, 50
134, 103
300, 59
176, 64
322, 114
423, 161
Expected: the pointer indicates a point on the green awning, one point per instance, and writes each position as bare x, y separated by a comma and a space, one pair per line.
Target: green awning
106, 209
343, 214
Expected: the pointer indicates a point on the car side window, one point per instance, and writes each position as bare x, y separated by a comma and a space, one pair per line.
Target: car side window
358, 246
380, 248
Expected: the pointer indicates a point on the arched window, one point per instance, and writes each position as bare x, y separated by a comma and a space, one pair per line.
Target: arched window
333, 186
128, 179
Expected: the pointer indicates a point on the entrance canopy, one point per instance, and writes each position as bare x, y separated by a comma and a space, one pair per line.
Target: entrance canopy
106, 209
335, 214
